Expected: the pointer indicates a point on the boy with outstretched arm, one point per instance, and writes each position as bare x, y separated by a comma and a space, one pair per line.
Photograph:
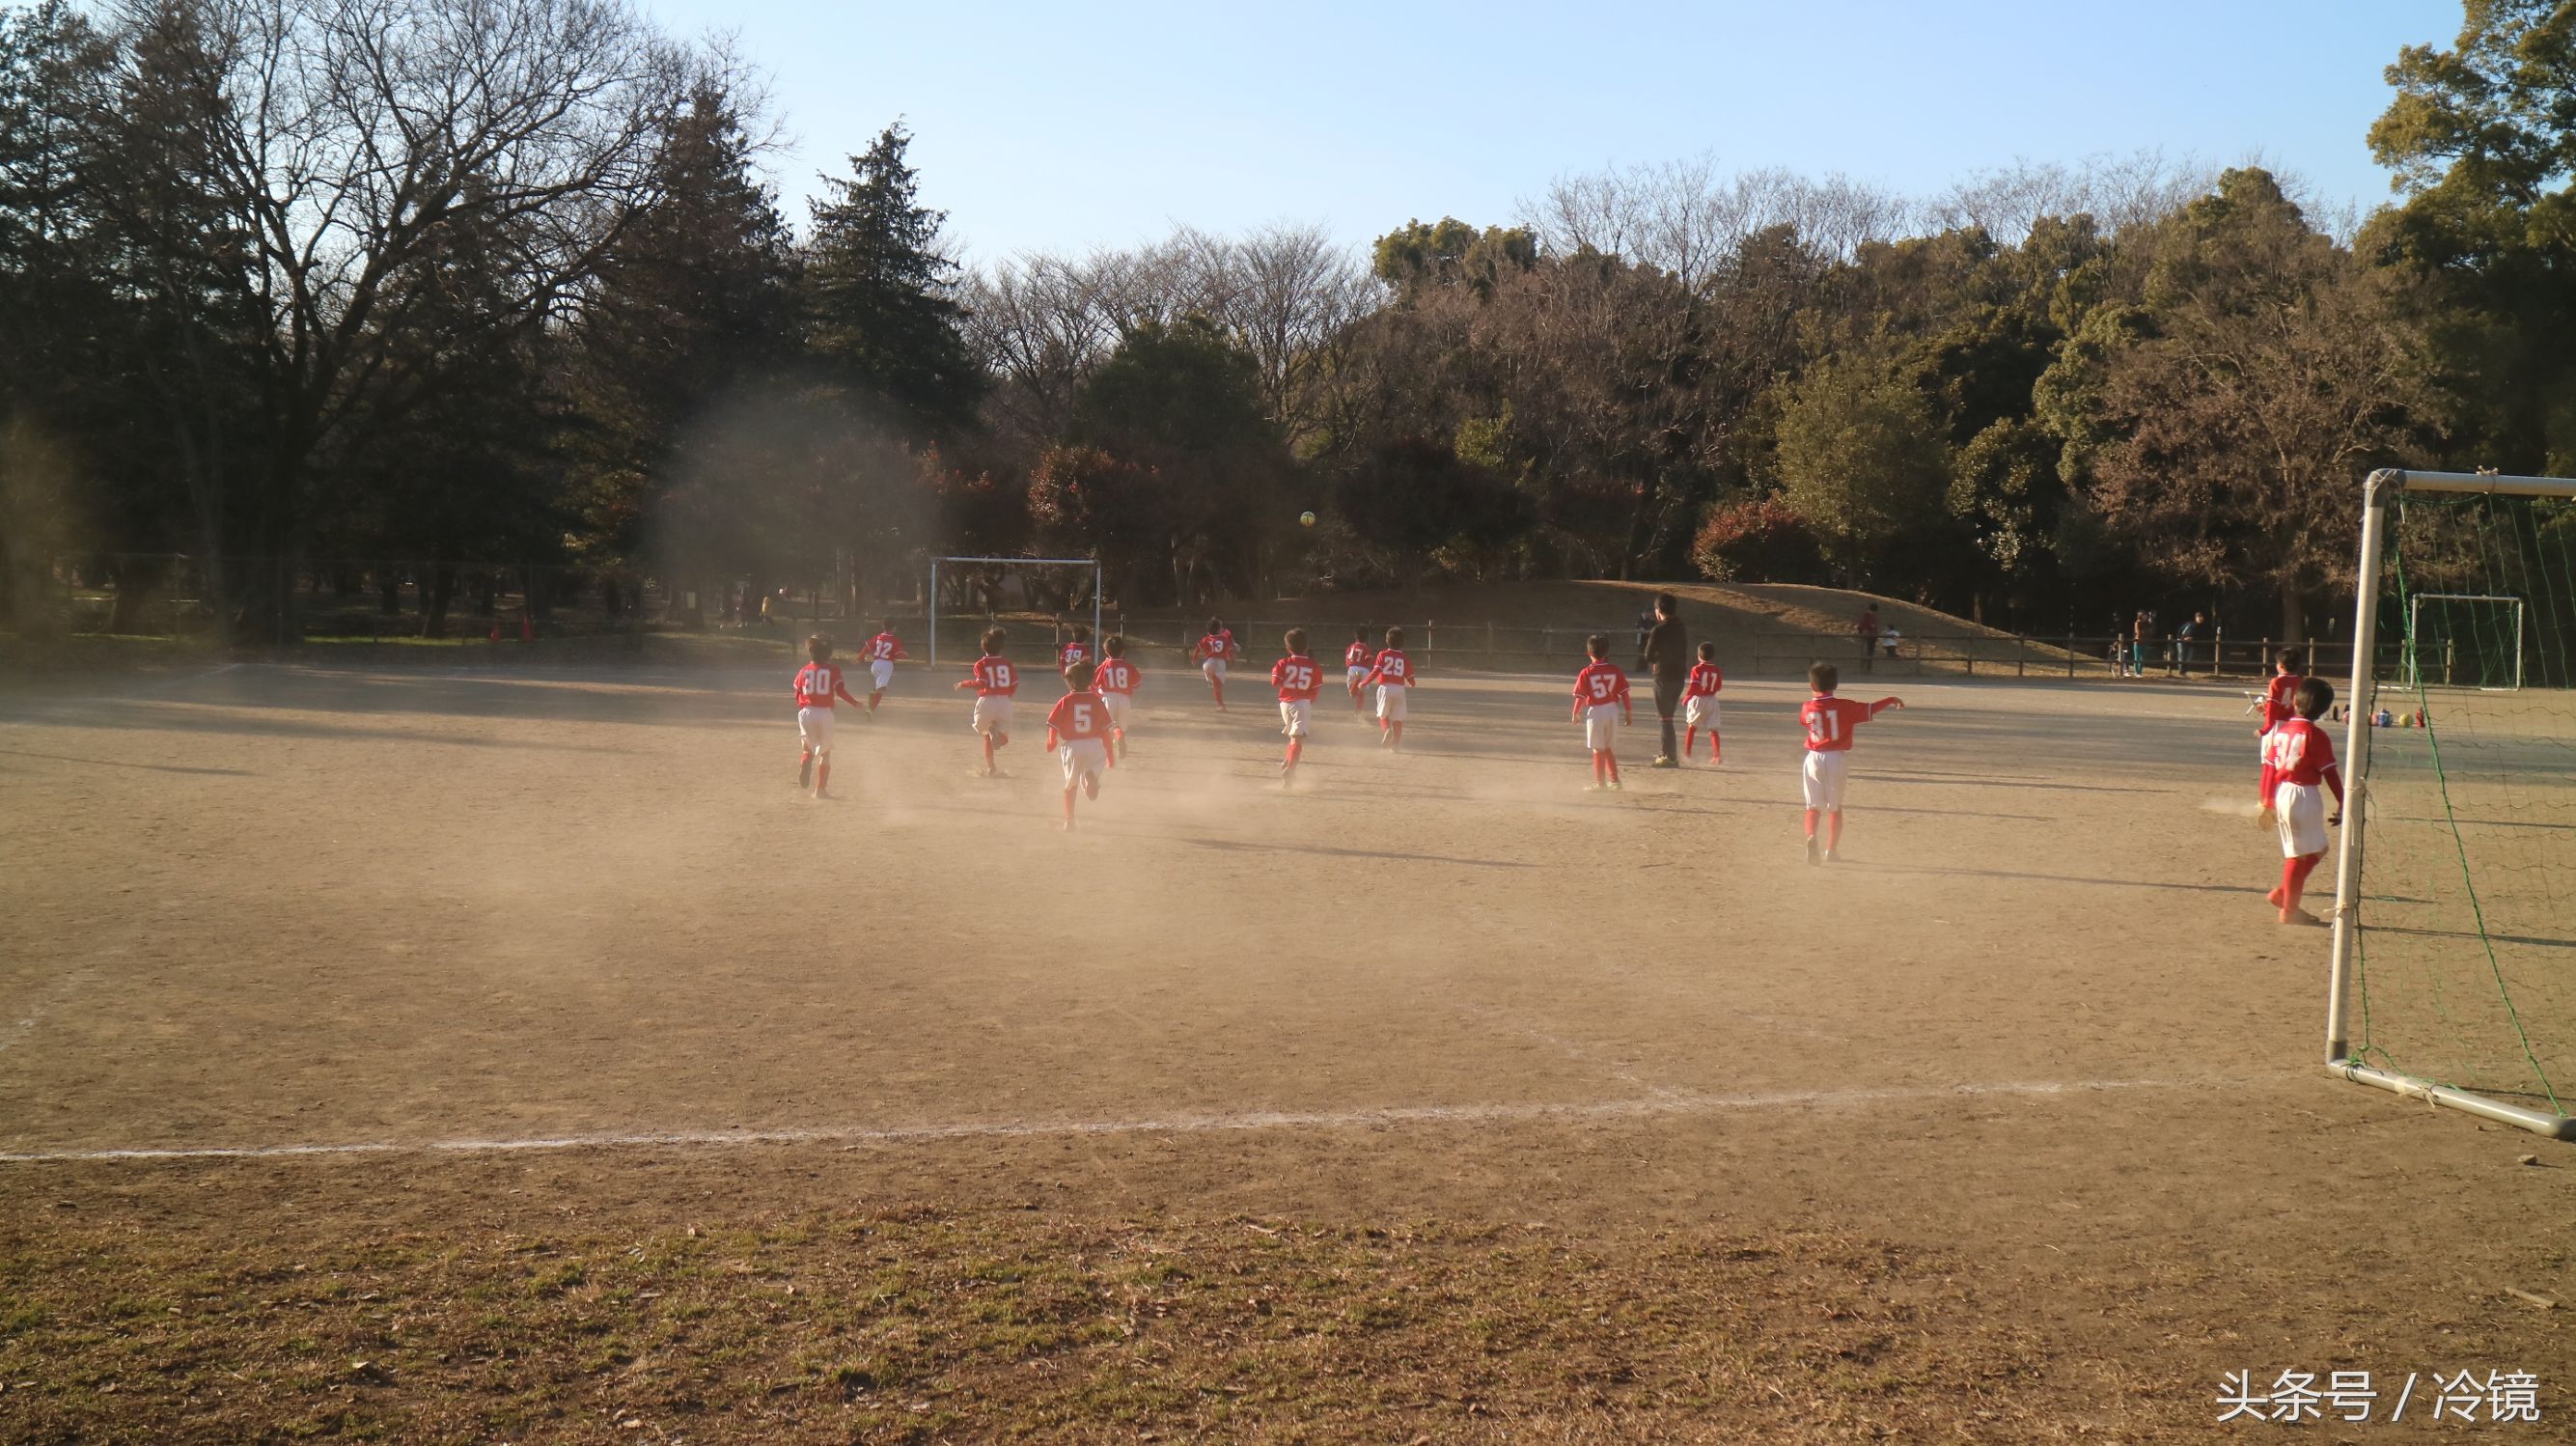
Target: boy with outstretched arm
1602, 706
1699, 703
2298, 771
1079, 722
819, 689
1115, 680
1830, 724
994, 680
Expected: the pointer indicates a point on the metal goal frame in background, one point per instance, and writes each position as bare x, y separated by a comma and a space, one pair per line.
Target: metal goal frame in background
1098, 577
2415, 663
2378, 491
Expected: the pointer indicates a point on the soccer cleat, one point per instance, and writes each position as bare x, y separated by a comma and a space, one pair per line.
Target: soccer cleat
1594, 787
1664, 760
2302, 918
1815, 854
1091, 786
1833, 856
805, 774
1612, 785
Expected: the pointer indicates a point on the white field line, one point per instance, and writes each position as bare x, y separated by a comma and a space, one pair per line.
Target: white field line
1674, 1103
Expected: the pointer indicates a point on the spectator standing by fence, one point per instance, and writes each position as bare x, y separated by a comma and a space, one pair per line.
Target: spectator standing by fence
1867, 628
2140, 630
1667, 652
2188, 637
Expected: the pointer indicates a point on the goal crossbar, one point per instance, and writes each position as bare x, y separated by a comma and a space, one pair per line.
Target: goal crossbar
2378, 490
936, 563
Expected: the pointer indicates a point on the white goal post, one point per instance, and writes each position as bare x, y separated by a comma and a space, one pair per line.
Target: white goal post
2379, 494
1093, 563
2445, 673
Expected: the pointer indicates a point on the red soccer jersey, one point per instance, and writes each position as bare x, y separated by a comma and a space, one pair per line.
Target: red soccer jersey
1601, 683
1392, 669
1704, 682
1297, 677
1115, 675
2276, 700
2298, 751
1358, 655
1831, 721
1073, 653
883, 648
1214, 646
995, 678
1079, 716
818, 683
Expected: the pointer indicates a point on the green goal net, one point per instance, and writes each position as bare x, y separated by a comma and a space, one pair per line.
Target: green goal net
2456, 939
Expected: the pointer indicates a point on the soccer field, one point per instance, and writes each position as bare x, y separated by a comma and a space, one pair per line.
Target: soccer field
461, 1052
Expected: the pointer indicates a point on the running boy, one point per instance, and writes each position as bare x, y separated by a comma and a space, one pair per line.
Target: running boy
1598, 690
1115, 680
1298, 678
1830, 723
1212, 654
881, 653
1699, 702
2297, 758
1391, 673
1080, 722
994, 681
1355, 667
819, 690
1077, 651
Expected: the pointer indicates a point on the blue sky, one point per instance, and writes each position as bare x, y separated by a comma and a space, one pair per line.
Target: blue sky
1067, 126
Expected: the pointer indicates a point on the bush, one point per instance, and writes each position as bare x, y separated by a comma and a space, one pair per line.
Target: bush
1760, 540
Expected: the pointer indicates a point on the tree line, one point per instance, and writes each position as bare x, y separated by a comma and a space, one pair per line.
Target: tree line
415, 286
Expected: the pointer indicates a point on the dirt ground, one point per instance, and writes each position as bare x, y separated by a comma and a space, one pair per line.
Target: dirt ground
2014, 1121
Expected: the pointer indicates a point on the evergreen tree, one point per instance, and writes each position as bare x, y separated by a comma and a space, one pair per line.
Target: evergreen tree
880, 297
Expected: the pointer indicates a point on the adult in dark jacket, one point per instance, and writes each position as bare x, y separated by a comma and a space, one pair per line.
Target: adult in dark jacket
1668, 657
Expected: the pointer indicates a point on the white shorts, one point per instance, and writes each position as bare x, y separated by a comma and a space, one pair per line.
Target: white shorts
1293, 713
814, 729
1352, 676
992, 713
1215, 669
1116, 703
1700, 711
883, 671
1390, 702
2300, 811
1083, 756
1601, 726
1822, 777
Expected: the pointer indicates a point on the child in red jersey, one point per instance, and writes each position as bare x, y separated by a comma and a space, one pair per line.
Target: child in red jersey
1830, 723
994, 681
1080, 723
1299, 679
1115, 680
1076, 651
2297, 759
818, 690
1699, 702
1391, 673
2280, 695
1602, 706
1357, 659
880, 654
1212, 653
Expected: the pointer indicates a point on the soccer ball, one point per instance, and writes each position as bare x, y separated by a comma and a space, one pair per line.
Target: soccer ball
1306, 519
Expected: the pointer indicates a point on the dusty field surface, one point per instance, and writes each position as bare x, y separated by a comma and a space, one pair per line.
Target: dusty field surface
477, 1053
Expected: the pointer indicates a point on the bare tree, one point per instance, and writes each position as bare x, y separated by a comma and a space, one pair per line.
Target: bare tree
354, 142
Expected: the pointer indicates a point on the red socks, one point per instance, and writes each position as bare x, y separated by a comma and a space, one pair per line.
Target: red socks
1690, 739
1219, 689
875, 698
1395, 735
822, 776
988, 753
2294, 880
1712, 746
1599, 774
1068, 808
1811, 823
1833, 830
1610, 762
1295, 747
